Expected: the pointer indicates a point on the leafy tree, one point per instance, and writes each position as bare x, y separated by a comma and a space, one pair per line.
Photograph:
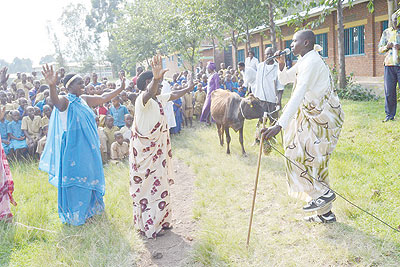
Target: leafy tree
81, 45
137, 33
47, 59
57, 46
103, 17
20, 65
328, 6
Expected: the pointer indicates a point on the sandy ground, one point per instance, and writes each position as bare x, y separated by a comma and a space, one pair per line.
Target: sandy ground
172, 249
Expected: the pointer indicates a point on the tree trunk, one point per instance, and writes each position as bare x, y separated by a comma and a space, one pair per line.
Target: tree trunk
192, 56
214, 54
342, 64
235, 46
390, 4
272, 28
248, 40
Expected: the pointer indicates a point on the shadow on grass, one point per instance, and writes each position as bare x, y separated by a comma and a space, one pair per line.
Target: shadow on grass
364, 248
7, 233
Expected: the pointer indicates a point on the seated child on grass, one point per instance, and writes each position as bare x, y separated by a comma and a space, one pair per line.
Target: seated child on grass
126, 131
119, 148
42, 141
17, 137
109, 131
31, 125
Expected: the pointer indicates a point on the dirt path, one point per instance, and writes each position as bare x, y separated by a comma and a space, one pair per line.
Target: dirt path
176, 243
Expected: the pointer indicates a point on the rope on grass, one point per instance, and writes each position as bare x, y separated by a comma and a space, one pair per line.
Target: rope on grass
348, 201
34, 228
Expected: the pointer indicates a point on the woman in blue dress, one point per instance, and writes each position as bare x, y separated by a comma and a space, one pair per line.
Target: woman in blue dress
72, 152
178, 116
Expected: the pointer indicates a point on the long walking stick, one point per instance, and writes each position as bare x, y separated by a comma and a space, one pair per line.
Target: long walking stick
256, 183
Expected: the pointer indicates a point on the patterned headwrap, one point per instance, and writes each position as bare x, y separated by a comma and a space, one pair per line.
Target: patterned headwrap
211, 65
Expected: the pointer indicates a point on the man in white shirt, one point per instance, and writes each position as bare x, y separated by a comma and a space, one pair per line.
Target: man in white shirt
251, 61
267, 88
249, 76
312, 121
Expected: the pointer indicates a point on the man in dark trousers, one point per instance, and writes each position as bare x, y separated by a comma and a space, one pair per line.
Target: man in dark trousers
390, 45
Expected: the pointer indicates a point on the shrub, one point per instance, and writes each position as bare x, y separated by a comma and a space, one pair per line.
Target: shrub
353, 90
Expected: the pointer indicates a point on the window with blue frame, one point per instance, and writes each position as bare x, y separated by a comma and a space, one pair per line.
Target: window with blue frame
256, 51
180, 61
385, 25
322, 40
354, 41
268, 45
240, 55
287, 45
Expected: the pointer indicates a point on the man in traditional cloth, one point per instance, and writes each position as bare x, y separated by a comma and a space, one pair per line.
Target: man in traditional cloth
150, 153
6, 182
268, 89
390, 44
212, 85
72, 155
312, 121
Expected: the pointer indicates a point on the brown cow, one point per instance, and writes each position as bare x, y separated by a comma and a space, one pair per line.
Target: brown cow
229, 110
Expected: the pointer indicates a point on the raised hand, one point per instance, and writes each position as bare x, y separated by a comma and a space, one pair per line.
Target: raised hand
156, 65
49, 75
3, 75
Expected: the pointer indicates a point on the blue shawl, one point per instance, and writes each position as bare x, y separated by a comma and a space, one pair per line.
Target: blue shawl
74, 155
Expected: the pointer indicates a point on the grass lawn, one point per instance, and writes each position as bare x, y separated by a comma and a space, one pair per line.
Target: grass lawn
364, 168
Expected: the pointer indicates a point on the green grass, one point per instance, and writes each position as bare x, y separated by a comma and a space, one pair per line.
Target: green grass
109, 241
366, 159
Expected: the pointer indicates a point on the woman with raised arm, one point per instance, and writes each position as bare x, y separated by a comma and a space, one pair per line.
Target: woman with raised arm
72, 152
150, 153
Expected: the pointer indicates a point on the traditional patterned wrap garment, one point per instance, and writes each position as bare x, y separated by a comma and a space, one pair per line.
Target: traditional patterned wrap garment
6, 187
312, 121
150, 168
72, 159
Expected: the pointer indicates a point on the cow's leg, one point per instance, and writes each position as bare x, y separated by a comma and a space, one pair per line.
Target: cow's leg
220, 134
228, 139
241, 140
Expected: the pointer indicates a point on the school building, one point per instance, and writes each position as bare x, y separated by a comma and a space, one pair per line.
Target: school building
362, 32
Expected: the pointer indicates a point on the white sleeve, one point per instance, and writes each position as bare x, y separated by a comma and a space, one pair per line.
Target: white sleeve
164, 98
279, 86
287, 75
303, 78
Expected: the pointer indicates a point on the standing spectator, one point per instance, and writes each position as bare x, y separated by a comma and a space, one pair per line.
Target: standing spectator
390, 44
95, 82
139, 71
118, 111
199, 98
268, 88
212, 85
188, 108
249, 76
251, 61
60, 77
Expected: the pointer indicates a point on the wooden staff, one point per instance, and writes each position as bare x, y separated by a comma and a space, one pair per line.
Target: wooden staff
256, 182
